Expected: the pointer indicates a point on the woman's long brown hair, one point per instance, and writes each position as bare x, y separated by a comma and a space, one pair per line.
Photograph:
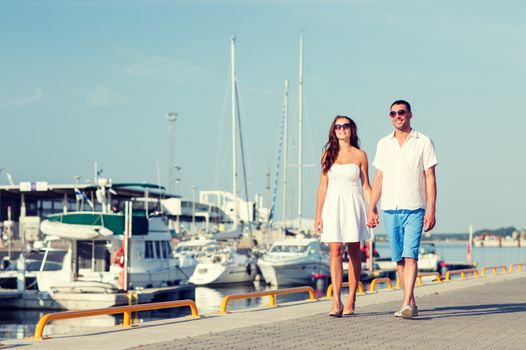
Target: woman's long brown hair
332, 147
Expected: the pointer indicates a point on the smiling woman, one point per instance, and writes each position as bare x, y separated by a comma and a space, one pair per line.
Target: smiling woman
340, 211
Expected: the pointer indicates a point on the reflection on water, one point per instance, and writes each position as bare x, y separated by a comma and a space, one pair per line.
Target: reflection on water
21, 323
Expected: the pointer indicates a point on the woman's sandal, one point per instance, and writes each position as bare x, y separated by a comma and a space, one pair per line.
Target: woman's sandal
348, 313
336, 313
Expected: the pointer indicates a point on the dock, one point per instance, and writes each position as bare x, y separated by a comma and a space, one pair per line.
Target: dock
485, 312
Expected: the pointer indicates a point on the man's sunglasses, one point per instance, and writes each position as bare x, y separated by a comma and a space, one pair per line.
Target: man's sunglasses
401, 113
345, 126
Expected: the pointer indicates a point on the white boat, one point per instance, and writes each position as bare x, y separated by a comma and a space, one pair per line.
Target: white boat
187, 252
428, 259
223, 265
294, 261
100, 258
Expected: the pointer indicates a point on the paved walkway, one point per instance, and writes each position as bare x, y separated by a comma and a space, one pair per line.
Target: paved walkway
481, 313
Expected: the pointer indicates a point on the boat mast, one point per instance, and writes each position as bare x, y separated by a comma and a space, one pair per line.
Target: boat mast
234, 114
300, 132
285, 143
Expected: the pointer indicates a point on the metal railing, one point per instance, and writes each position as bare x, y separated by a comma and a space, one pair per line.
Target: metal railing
518, 265
494, 268
462, 273
345, 285
126, 310
372, 286
270, 293
420, 282
419, 279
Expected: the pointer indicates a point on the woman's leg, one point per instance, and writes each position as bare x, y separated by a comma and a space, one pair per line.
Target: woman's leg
336, 253
355, 268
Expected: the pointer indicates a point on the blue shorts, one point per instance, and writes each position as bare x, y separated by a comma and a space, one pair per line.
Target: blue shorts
404, 230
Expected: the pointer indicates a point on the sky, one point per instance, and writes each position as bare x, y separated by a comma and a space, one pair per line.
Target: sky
85, 81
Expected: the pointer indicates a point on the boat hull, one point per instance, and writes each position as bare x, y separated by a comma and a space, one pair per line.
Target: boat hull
292, 272
216, 274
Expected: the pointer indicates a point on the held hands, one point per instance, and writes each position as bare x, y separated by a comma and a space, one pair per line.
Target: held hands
372, 217
318, 226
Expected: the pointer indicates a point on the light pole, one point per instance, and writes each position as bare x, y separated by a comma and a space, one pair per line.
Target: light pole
178, 179
171, 117
193, 208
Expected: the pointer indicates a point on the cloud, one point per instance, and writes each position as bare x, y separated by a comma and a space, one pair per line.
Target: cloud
163, 68
105, 96
24, 101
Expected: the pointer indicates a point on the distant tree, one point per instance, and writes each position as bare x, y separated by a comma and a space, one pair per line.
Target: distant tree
504, 231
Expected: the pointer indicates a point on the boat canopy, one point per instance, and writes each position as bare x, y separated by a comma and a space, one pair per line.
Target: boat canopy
111, 221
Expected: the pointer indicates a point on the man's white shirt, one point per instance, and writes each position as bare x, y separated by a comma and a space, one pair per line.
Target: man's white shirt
404, 181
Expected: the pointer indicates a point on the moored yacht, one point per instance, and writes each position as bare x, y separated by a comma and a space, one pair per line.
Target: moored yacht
294, 261
187, 252
96, 252
220, 264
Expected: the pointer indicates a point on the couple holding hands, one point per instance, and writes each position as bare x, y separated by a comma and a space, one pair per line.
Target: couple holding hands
405, 180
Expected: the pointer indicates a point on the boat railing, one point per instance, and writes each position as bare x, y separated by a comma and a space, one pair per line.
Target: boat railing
462, 273
345, 285
125, 310
270, 293
494, 268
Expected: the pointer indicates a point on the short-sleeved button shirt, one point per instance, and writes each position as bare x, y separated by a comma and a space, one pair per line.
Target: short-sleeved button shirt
404, 182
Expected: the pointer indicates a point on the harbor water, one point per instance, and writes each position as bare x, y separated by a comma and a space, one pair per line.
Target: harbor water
21, 323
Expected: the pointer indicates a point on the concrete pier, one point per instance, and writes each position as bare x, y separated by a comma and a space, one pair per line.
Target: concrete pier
488, 312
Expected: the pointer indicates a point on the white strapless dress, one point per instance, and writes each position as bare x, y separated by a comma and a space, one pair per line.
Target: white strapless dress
344, 212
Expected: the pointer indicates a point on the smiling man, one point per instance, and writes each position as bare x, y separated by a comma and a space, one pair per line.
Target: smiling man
405, 180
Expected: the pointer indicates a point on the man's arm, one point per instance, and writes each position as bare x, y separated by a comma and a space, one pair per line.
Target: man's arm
431, 189
376, 192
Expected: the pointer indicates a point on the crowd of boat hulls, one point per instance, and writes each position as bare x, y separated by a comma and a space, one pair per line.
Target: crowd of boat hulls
100, 257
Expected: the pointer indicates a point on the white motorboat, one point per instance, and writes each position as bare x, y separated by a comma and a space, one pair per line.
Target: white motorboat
294, 261
100, 257
187, 252
223, 265
428, 259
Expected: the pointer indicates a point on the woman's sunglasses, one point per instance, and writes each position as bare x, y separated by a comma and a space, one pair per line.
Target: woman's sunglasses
345, 126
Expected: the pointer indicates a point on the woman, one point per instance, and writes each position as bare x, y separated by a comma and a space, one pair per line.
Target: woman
341, 215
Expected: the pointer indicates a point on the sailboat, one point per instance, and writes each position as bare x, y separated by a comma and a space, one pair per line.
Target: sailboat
222, 264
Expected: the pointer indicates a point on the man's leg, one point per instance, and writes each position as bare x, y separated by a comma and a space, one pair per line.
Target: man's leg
410, 271
413, 226
400, 270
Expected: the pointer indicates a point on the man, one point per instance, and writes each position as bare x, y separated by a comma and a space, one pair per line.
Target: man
405, 179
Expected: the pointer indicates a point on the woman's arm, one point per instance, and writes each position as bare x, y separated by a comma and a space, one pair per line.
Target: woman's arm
364, 176
322, 191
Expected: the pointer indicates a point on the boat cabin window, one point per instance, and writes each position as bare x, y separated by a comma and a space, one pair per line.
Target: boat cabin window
93, 255
167, 249
148, 251
313, 250
181, 249
289, 249
157, 249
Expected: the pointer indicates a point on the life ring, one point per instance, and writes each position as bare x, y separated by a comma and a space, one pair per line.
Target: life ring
119, 257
